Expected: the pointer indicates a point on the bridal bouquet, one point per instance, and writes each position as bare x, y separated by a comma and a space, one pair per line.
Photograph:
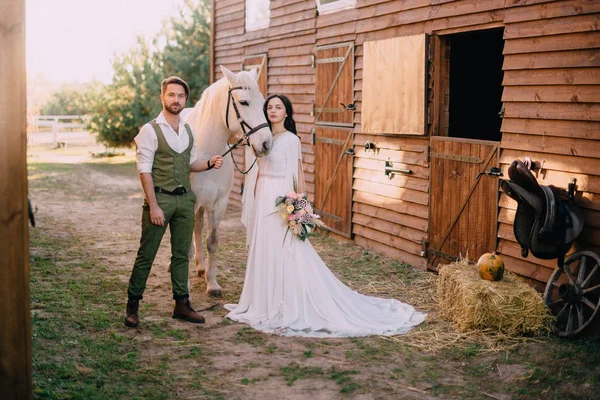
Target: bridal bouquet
297, 211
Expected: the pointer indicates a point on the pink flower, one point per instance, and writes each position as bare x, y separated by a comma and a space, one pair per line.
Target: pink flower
292, 195
291, 217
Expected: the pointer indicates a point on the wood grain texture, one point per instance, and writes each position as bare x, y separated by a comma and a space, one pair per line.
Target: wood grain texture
15, 334
551, 75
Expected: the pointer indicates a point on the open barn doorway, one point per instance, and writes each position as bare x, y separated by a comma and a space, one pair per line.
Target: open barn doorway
463, 204
475, 77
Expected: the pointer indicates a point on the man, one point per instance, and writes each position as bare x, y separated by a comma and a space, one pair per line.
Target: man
166, 153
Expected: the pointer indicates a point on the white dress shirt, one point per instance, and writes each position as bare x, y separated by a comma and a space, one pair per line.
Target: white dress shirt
147, 142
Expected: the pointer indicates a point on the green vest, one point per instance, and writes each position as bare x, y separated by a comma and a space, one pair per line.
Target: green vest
171, 169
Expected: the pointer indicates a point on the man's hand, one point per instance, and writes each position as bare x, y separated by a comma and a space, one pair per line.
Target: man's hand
157, 217
203, 164
216, 162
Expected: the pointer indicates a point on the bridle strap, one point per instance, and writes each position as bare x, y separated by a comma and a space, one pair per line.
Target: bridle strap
243, 124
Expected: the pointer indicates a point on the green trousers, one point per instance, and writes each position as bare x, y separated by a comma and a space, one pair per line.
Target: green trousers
179, 216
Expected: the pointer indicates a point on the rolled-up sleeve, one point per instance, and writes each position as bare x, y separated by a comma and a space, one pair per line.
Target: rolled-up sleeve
147, 144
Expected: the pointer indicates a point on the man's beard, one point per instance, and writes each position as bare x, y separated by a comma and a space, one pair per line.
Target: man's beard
173, 111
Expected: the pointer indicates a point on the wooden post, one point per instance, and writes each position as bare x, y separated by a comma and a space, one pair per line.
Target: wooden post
212, 42
15, 331
55, 132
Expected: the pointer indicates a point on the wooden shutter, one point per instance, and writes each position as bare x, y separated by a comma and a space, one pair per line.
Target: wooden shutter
334, 92
259, 62
393, 95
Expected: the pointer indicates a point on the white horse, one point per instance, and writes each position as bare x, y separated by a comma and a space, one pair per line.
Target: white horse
232, 106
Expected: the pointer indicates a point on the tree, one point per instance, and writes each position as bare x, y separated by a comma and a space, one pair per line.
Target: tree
132, 99
70, 100
187, 49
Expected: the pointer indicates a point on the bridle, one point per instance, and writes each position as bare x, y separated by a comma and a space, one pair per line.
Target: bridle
245, 135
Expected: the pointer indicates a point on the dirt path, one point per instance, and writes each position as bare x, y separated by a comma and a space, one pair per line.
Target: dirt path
100, 204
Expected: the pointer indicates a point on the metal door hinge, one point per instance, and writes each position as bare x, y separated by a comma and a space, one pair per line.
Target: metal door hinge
313, 136
424, 248
429, 51
456, 157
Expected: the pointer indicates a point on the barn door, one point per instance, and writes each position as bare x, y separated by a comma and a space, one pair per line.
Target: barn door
464, 208
333, 135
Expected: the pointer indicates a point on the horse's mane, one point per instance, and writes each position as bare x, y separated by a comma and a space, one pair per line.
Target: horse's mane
206, 106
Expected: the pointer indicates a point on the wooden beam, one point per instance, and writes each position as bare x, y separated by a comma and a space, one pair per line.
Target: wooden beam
15, 334
212, 42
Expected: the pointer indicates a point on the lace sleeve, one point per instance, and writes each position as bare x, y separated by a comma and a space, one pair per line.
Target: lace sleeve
293, 161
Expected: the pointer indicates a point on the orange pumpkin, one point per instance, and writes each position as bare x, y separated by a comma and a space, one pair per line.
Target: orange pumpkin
491, 267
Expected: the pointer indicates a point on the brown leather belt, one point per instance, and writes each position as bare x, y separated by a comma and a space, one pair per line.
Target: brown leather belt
177, 192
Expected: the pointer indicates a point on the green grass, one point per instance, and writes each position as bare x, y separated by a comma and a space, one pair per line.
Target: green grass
82, 351
344, 379
293, 372
250, 336
77, 314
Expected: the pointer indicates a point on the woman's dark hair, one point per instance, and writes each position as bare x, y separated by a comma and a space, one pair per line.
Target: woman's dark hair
289, 122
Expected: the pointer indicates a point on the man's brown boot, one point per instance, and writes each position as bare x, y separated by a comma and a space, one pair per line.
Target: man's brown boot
132, 320
183, 310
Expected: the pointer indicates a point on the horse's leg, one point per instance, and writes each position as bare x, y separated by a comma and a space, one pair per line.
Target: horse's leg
196, 247
212, 243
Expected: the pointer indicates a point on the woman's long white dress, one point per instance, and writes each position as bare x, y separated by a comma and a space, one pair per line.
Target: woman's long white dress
288, 290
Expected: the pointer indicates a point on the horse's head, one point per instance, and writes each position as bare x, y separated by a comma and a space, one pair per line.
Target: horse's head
244, 113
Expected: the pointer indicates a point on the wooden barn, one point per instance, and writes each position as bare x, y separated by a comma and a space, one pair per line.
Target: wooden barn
400, 104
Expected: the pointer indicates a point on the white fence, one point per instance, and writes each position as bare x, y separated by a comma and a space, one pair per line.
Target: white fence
56, 123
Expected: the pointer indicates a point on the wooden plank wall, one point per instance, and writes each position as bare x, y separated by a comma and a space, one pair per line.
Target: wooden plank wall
551, 98
289, 42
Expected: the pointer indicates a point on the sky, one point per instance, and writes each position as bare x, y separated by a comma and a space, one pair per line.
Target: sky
74, 40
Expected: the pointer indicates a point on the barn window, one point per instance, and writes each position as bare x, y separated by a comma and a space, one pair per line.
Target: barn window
393, 95
329, 6
257, 14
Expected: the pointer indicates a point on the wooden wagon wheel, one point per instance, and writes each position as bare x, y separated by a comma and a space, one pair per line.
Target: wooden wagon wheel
574, 300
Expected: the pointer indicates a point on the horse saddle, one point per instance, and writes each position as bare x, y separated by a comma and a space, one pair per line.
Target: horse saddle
544, 224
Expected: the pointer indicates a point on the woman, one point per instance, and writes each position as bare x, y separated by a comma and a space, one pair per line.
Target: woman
288, 290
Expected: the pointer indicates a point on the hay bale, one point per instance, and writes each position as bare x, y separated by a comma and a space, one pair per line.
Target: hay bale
509, 306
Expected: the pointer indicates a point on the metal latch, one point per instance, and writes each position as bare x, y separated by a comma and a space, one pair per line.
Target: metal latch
390, 170
494, 171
